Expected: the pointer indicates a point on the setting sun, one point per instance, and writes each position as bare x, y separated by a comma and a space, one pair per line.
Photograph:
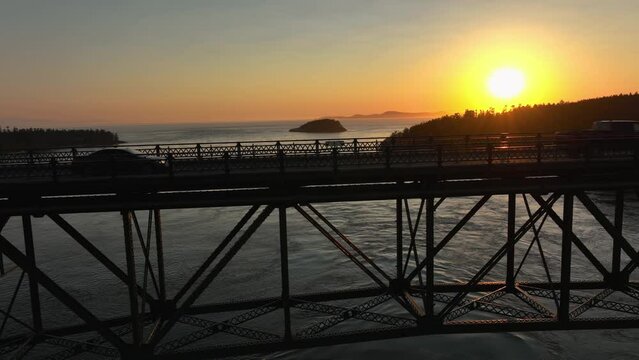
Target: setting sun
506, 83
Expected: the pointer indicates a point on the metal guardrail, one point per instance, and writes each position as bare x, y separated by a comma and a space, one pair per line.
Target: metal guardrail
335, 154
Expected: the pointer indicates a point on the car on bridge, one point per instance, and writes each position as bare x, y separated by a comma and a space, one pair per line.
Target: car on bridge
118, 161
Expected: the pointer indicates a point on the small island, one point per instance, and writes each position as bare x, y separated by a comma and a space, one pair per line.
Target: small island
12, 139
321, 126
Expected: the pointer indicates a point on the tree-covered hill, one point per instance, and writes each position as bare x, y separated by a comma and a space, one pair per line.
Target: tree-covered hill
544, 118
38, 139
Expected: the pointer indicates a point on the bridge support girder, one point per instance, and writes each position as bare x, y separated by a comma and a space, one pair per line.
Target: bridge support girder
420, 302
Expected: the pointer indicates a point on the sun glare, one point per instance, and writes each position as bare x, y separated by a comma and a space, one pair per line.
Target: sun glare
506, 83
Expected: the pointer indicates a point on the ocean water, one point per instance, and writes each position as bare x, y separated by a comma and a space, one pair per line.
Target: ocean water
315, 264
253, 131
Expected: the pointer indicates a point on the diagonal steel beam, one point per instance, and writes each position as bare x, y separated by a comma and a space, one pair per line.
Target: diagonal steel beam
346, 313
229, 328
412, 248
402, 301
462, 223
348, 241
525, 297
575, 240
74, 347
544, 207
494, 308
632, 292
3, 222
341, 317
209, 331
343, 249
413, 231
23, 262
601, 304
7, 314
590, 303
136, 319
103, 259
451, 234
537, 237
612, 230
195, 294
148, 269
473, 304
198, 273
94, 345
411, 304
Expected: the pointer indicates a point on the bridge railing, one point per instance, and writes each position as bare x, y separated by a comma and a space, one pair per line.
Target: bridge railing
325, 153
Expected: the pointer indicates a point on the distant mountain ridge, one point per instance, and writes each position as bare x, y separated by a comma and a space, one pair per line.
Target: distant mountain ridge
391, 115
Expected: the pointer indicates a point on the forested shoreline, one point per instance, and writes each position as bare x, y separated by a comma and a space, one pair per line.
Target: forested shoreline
12, 139
542, 118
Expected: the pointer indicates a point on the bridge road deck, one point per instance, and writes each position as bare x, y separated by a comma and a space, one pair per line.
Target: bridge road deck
240, 174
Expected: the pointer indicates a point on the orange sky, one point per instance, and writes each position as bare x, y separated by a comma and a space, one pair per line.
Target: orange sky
144, 61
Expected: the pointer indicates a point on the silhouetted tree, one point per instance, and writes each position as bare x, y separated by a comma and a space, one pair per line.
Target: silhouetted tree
541, 118
39, 138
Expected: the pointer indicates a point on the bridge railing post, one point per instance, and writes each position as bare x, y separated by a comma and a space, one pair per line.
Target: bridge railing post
157, 150
238, 148
198, 150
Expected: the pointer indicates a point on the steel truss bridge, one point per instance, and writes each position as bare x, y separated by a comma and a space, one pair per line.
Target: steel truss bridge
548, 175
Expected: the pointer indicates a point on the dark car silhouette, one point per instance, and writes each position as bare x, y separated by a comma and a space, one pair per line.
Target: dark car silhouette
119, 161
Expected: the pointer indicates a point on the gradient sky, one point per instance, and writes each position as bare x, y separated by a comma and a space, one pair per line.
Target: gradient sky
133, 61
